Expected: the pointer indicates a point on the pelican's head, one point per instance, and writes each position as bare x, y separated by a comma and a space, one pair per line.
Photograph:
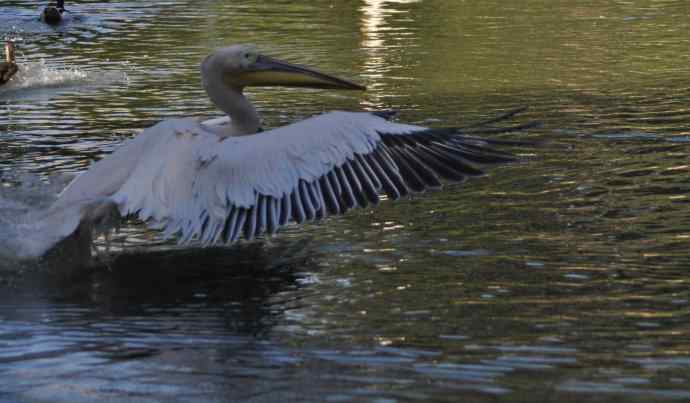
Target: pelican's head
241, 66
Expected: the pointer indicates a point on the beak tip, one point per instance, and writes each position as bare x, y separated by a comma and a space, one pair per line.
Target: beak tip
356, 86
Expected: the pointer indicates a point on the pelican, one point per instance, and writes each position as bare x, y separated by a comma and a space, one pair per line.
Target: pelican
214, 182
8, 68
52, 14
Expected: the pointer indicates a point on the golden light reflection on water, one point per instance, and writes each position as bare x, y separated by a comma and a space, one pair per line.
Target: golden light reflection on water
379, 42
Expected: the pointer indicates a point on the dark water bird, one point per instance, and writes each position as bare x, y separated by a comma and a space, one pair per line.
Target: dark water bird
216, 181
9, 67
53, 13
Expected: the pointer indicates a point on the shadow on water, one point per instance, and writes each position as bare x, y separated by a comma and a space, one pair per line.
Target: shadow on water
144, 311
244, 276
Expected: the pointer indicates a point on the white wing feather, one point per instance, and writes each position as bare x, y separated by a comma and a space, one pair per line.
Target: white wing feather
180, 176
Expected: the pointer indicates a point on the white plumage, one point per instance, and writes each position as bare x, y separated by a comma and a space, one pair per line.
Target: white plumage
217, 181
181, 177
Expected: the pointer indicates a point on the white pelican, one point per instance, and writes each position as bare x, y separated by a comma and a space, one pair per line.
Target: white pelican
214, 182
9, 67
52, 14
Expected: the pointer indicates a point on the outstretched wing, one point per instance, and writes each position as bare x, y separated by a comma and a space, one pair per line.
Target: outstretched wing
190, 183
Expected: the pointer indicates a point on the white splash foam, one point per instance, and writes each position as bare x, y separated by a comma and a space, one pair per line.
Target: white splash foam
29, 191
21, 196
33, 228
37, 75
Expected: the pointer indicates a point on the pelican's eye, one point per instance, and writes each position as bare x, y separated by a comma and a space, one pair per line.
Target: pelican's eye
250, 57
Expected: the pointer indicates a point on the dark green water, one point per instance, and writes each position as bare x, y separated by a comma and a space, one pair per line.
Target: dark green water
563, 277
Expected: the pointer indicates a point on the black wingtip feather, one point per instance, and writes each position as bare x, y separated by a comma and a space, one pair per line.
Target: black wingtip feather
388, 115
503, 116
451, 153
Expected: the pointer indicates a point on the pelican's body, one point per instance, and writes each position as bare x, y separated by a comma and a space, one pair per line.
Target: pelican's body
215, 183
53, 13
9, 67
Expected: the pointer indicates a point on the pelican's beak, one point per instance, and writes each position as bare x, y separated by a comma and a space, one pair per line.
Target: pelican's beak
267, 71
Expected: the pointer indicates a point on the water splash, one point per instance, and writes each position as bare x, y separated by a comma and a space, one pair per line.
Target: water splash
26, 190
38, 76
22, 197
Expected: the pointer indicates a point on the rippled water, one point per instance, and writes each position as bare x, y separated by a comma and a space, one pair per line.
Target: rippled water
560, 277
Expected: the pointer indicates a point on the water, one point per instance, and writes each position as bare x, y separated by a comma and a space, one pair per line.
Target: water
560, 277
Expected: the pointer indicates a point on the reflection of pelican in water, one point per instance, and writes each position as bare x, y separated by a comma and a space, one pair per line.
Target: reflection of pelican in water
223, 179
9, 67
53, 13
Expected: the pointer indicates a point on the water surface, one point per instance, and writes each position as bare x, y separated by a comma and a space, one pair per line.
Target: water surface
560, 277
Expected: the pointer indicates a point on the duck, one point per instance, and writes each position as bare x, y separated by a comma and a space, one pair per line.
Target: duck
53, 13
8, 68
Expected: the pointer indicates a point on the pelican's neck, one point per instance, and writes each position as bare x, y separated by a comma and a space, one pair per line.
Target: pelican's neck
243, 117
9, 52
